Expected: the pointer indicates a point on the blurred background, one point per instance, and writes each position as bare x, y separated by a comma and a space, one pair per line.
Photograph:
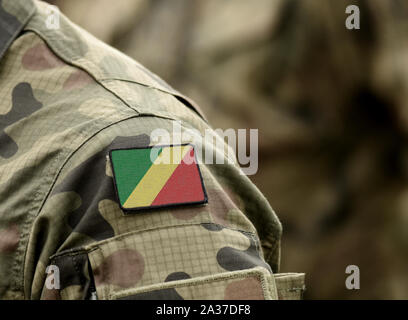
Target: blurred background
330, 105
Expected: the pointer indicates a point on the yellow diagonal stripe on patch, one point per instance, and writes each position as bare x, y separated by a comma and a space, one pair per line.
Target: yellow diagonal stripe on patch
156, 177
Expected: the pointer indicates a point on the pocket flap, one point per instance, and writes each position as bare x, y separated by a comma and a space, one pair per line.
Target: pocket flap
290, 286
252, 284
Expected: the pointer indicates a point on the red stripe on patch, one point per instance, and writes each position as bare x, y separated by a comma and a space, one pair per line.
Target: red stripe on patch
184, 185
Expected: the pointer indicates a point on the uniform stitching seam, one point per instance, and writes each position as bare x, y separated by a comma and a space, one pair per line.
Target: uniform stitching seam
238, 274
77, 65
125, 235
96, 246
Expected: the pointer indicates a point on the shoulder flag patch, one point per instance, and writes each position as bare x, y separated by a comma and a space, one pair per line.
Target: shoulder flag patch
155, 177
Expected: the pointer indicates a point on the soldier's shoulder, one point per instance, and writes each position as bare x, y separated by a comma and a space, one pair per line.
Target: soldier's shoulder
137, 87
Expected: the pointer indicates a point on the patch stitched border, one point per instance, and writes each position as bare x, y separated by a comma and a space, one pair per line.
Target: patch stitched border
159, 206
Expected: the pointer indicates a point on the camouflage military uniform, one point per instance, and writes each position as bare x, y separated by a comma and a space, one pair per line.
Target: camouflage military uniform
67, 100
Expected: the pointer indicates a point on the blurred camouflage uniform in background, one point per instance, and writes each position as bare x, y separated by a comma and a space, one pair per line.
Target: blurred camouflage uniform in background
330, 105
67, 99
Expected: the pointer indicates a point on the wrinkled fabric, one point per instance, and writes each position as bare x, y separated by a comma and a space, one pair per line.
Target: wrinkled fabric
67, 99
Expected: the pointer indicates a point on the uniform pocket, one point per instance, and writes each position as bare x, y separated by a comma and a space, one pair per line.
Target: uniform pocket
193, 258
197, 261
290, 286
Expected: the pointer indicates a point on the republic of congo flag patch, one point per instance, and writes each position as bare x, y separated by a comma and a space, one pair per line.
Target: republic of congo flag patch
155, 177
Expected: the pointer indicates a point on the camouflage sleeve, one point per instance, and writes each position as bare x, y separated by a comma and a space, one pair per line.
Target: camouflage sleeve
80, 100
94, 250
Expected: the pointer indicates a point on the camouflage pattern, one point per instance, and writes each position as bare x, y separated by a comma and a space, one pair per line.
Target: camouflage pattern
330, 105
66, 100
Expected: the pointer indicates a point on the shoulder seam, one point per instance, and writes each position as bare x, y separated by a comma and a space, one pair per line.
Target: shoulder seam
80, 67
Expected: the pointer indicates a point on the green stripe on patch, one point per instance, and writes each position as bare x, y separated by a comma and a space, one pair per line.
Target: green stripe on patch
127, 174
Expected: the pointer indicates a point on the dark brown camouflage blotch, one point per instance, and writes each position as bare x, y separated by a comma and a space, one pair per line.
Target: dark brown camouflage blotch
40, 57
123, 268
219, 205
76, 80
